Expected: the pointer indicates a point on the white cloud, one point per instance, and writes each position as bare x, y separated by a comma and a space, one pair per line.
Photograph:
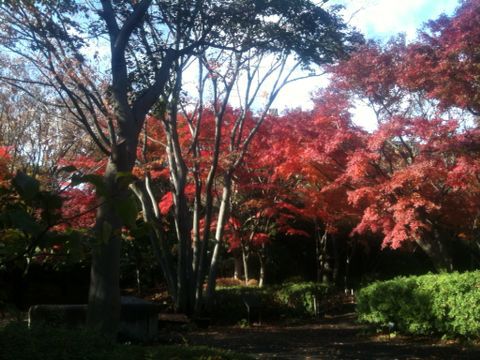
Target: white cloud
381, 19
298, 94
378, 19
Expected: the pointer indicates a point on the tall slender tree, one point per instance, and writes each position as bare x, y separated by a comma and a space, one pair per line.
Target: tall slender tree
145, 43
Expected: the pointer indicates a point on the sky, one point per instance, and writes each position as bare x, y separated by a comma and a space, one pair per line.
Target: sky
376, 19
379, 20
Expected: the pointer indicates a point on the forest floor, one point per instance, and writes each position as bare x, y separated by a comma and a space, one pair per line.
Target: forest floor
333, 337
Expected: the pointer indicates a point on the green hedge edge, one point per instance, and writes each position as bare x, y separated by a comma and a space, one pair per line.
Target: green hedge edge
446, 304
286, 300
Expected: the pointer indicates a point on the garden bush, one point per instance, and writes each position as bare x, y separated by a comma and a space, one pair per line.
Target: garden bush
299, 298
18, 342
230, 302
447, 304
286, 300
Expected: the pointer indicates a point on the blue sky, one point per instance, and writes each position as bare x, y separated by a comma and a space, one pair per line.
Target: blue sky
379, 20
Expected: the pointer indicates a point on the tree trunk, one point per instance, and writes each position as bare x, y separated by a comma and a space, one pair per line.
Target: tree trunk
237, 265
201, 262
336, 260
151, 215
222, 217
350, 254
104, 292
436, 250
178, 177
245, 264
323, 264
201, 268
262, 259
184, 302
197, 205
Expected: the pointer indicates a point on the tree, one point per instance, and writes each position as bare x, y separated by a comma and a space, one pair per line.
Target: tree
314, 173
53, 37
37, 134
419, 137
412, 192
29, 219
447, 53
221, 69
111, 108
262, 201
148, 42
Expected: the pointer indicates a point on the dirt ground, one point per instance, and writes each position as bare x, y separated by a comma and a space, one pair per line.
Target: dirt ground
334, 337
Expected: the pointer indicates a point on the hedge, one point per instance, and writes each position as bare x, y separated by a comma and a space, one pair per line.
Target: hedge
447, 304
286, 300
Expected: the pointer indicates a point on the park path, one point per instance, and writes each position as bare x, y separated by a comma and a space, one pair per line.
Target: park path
334, 337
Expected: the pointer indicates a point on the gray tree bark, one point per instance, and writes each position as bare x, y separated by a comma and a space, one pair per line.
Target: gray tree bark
436, 250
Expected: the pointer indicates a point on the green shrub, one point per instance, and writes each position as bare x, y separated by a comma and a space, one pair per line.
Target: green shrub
299, 298
230, 302
287, 300
446, 304
18, 342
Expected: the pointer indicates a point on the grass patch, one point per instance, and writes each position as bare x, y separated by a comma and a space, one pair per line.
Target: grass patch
18, 342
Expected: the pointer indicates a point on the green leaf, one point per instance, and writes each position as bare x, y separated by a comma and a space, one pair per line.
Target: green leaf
27, 186
12, 243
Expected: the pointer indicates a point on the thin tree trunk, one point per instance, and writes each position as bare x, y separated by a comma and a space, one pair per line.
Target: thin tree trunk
203, 247
263, 264
156, 235
196, 223
237, 265
202, 259
351, 251
245, 264
323, 267
178, 175
336, 260
222, 217
184, 261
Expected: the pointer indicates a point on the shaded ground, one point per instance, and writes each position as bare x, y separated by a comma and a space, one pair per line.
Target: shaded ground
333, 337
336, 337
